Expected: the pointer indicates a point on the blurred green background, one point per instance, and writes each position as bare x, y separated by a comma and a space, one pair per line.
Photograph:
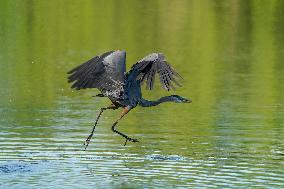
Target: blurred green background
230, 54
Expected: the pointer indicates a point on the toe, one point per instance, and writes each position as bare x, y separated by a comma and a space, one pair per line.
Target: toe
135, 140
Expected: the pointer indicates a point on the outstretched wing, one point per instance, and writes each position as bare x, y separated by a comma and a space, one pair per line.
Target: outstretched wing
146, 69
105, 72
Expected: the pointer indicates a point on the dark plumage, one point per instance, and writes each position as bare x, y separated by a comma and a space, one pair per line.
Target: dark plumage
107, 72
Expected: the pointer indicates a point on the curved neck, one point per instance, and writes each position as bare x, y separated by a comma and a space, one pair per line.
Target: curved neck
147, 103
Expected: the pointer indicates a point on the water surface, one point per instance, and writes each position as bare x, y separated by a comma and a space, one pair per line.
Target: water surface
230, 54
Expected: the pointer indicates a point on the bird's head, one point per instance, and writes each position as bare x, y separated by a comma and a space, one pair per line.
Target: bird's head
179, 99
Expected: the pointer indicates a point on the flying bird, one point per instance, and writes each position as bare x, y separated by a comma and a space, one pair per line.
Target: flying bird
107, 72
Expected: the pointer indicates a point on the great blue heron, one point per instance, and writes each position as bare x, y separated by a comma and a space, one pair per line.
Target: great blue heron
107, 72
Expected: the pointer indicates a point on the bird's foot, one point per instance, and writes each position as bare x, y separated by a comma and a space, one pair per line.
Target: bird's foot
130, 139
87, 141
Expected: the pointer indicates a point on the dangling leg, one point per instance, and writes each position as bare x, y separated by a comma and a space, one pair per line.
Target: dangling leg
127, 138
113, 107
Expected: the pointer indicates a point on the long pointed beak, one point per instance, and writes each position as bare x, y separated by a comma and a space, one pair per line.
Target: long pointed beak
187, 101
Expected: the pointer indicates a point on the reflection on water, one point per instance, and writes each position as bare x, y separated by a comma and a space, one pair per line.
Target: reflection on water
230, 54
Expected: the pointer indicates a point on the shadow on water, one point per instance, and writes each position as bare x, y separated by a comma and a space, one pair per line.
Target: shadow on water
15, 168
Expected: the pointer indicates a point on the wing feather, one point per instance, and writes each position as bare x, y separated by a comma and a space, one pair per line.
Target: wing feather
146, 69
105, 72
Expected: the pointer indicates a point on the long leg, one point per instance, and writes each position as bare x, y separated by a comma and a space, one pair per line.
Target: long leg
96, 122
127, 138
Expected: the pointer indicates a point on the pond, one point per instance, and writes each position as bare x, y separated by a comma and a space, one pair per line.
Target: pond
230, 54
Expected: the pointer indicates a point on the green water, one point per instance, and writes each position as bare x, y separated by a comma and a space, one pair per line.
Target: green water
230, 54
